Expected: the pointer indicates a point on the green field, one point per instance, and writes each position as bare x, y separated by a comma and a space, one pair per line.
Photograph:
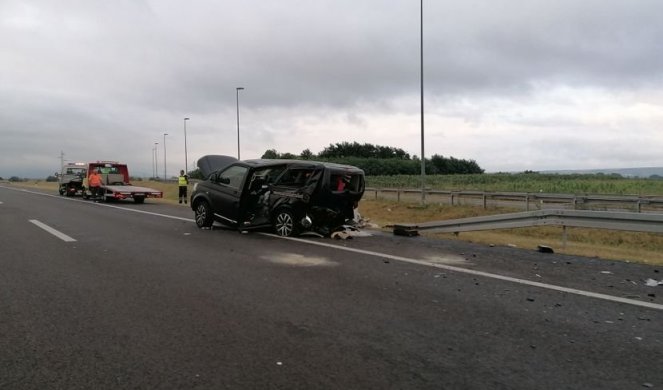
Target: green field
526, 182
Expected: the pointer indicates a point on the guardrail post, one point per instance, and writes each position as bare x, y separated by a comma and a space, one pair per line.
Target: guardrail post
376, 194
564, 236
639, 205
452, 198
526, 202
484, 201
398, 195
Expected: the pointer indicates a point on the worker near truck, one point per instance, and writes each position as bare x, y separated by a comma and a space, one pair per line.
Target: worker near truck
94, 181
183, 182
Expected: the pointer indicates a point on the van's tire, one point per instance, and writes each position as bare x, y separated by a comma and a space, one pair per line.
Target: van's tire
203, 214
284, 223
139, 199
61, 190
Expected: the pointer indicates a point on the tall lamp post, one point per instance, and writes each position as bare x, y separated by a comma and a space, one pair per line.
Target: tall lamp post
237, 92
421, 65
152, 161
156, 160
165, 175
186, 160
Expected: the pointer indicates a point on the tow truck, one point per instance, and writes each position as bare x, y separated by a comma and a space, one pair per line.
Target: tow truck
70, 178
115, 183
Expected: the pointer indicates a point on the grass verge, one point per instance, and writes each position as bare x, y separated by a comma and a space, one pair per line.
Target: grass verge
606, 244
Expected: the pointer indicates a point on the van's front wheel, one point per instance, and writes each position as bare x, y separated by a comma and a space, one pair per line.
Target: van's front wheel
203, 214
284, 223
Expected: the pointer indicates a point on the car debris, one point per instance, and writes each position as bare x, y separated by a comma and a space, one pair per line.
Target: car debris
291, 196
653, 282
545, 249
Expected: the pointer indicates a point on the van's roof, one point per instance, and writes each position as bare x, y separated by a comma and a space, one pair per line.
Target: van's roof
212, 163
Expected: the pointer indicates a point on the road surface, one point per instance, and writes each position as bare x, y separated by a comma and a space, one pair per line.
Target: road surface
117, 296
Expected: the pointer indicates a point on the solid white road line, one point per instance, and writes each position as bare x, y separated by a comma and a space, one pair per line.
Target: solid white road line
568, 290
590, 294
99, 204
54, 232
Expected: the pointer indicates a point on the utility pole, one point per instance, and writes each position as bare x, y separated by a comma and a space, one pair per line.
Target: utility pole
61, 160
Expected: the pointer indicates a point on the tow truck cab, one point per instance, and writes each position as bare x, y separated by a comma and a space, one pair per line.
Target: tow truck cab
71, 177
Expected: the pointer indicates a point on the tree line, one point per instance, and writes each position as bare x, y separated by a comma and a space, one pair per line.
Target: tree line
382, 160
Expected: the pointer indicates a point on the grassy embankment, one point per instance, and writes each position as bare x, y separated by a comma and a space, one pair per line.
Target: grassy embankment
607, 244
617, 245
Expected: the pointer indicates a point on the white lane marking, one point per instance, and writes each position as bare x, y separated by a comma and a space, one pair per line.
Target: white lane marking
568, 290
147, 212
54, 232
575, 291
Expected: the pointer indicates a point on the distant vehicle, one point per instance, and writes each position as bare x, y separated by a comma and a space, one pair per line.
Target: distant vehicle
292, 196
70, 179
115, 183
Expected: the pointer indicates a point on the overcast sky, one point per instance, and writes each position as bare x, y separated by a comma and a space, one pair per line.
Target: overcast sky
513, 84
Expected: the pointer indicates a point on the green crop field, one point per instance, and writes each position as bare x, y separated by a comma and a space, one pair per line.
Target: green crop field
526, 182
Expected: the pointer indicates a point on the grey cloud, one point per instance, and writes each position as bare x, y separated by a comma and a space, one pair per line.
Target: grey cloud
80, 67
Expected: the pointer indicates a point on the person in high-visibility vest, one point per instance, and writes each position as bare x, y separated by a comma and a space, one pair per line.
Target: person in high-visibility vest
183, 182
94, 181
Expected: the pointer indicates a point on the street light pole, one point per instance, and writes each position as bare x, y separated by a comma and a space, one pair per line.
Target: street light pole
186, 161
165, 175
156, 160
237, 91
152, 161
421, 64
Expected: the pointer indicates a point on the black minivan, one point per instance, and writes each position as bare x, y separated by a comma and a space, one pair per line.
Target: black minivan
292, 196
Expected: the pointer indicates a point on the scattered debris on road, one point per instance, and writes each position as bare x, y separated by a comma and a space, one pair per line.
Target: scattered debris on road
653, 282
545, 249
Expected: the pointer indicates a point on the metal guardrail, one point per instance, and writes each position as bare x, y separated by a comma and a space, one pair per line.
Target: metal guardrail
638, 222
529, 200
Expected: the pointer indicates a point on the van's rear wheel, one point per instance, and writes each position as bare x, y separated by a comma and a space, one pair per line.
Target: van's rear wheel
203, 214
139, 199
284, 223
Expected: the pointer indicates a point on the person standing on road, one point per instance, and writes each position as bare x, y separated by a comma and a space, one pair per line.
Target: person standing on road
94, 181
183, 182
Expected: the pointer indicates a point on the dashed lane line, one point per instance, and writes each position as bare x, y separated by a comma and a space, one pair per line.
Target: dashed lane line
54, 232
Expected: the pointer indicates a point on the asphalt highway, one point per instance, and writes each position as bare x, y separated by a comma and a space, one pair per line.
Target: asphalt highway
119, 296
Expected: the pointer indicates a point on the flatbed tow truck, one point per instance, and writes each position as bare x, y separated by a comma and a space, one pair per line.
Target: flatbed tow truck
115, 183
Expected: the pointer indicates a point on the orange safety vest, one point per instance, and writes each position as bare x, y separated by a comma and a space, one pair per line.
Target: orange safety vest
95, 180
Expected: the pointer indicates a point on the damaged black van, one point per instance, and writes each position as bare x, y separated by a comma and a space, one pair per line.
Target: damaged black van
292, 196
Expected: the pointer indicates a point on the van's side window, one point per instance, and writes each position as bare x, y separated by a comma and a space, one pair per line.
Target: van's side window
235, 176
295, 177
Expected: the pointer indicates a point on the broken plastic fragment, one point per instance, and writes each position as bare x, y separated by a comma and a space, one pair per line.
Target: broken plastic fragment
653, 282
